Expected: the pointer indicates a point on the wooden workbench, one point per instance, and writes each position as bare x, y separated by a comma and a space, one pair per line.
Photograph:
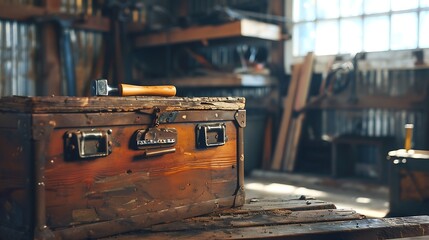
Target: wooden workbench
295, 217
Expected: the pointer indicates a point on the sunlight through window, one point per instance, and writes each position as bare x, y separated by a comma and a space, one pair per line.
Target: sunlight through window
330, 27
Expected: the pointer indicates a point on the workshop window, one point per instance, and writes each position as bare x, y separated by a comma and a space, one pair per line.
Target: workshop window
330, 27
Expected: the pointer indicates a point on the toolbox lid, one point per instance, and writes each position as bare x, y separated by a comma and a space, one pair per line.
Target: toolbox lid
402, 153
116, 104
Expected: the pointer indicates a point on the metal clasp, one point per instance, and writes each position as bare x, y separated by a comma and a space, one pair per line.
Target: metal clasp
211, 135
155, 138
87, 144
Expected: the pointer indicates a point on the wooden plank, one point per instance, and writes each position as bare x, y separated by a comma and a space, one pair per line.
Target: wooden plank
267, 147
304, 82
299, 103
293, 142
49, 76
354, 229
240, 28
295, 205
288, 102
253, 219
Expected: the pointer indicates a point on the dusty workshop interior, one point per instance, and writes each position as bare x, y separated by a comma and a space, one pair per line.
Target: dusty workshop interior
214, 119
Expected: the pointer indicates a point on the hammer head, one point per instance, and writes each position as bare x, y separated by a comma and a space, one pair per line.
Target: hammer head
99, 87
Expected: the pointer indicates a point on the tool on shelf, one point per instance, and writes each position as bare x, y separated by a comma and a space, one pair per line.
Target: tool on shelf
100, 87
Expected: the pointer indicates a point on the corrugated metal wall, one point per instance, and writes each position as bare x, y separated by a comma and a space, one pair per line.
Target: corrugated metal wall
375, 123
379, 122
18, 53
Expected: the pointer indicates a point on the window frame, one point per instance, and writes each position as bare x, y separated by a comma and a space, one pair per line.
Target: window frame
297, 52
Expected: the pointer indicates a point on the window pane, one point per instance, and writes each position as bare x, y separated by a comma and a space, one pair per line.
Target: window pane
376, 33
424, 26
327, 9
351, 7
327, 37
397, 5
371, 6
351, 35
303, 41
404, 31
424, 3
304, 10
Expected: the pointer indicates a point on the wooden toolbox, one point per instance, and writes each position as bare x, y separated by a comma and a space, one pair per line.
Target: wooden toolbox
76, 168
409, 182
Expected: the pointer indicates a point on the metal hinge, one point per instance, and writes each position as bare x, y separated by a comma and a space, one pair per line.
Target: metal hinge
240, 117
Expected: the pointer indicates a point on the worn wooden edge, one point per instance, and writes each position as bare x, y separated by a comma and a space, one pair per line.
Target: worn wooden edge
106, 104
263, 212
267, 205
412, 238
295, 205
350, 229
253, 219
137, 222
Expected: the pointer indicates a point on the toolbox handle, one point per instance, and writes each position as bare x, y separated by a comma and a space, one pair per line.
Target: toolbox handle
92, 143
211, 135
158, 152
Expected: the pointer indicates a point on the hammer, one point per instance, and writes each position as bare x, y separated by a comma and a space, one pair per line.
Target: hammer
100, 87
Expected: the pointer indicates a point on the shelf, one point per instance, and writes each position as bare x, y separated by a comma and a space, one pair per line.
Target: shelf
240, 28
220, 80
16, 12
365, 102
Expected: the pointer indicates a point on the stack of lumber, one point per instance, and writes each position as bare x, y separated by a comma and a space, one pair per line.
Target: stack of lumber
291, 124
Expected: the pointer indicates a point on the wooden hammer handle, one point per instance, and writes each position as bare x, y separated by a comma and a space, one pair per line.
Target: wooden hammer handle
134, 90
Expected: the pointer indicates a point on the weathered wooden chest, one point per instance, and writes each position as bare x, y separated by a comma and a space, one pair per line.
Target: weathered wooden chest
74, 168
409, 182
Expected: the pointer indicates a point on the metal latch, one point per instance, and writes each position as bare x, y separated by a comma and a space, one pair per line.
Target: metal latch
87, 144
155, 137
211, 135
155, 141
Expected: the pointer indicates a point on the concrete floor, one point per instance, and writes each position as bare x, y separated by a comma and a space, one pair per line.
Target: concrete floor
369, 199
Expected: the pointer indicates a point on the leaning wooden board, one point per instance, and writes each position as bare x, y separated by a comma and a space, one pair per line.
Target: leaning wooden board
285, 218
76, 168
